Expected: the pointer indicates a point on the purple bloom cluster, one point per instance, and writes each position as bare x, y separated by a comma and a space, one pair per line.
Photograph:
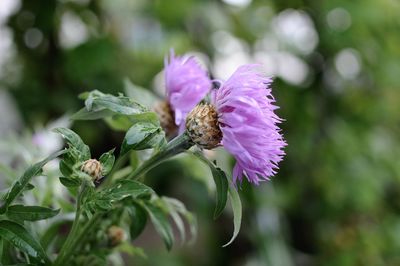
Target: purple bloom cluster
245, 108
246, 113
187, 83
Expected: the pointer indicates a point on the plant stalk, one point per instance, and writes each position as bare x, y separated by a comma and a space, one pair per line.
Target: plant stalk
75, 226
177, 145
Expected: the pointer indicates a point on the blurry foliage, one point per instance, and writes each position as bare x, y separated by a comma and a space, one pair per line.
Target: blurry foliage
336, 199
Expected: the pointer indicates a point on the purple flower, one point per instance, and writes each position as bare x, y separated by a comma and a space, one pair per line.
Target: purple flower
186, 84
246, 117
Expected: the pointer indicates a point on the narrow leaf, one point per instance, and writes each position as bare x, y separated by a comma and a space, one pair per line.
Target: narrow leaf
85, 114
100, 105
24, 180
70, 182
30, 213
221, 184
20, 238
118, 104
237, 212
65, 168
138, 217
179, 208
126, 188
75, 141
161, 224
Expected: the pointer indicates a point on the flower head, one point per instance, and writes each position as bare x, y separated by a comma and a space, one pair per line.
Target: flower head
186, 84
246, 117
244, 122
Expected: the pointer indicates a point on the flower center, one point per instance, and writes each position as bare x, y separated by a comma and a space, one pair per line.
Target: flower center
203, 127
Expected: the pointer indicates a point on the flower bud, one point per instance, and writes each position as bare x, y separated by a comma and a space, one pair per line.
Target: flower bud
115, 235
166, 116
93, 168
202, 126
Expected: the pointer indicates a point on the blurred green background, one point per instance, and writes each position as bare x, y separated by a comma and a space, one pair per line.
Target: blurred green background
336, 199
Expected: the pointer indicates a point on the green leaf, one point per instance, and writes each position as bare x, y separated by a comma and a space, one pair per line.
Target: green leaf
160, 221
138, 218
126, 188
107, 161
85, 114
24, 180
177, 208
20, 238
131, 250
29, 186
104, 200
51, 233
70, 182
30, 213
100, 105
142, 135
65, 168
221, 184
141, 95
237, 212
117, 104
124, 122
74, 141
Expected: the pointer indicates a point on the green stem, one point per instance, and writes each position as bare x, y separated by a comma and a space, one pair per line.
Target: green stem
175, 146
77, 240
75, 225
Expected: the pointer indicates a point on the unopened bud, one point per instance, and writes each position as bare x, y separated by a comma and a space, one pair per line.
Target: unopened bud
166, 116
115, 235
202, 126
93, 168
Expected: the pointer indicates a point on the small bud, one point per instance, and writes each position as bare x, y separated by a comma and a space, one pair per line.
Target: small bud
202, 126
166, 116
115, 235
93, 168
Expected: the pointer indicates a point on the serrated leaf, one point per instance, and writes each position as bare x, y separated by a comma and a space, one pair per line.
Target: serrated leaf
221, 184
74, 141
70, 182
18, 236
107, 161
138, 219
160, 221
24, 180
237, 212
30, 213
140, 136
